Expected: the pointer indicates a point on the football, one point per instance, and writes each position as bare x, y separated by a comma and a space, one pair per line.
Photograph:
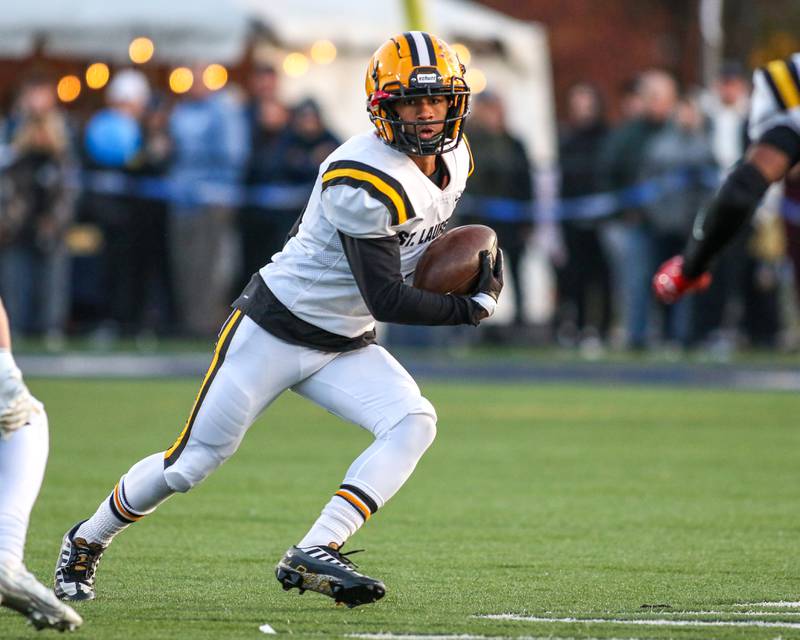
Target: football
451, 263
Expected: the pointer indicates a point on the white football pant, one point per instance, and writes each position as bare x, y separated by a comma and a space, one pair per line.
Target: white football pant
249, 370
23, 458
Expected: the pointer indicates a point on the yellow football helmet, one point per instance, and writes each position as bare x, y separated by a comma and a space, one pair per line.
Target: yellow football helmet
412, 64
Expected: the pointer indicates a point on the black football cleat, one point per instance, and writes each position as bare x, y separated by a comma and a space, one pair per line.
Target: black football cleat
329, 572
76, 566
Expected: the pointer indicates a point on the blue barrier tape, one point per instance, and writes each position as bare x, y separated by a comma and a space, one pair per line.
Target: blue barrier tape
187, 194
790, 209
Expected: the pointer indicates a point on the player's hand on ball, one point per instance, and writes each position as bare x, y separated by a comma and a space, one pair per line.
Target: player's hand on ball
669, 283
490, 280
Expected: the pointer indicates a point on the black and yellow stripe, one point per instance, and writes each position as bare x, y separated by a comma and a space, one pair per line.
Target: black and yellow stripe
471, 159
381, 186
223, 342
120, 507
784, 82
364, 505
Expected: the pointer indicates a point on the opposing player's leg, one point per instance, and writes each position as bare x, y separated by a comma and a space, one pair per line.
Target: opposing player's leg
23, 456
249, 370
371, 389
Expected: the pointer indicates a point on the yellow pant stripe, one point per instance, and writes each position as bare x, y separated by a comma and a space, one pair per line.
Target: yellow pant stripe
209, 375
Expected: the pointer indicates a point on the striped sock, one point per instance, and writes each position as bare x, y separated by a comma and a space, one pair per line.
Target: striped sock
112, 516
349, 508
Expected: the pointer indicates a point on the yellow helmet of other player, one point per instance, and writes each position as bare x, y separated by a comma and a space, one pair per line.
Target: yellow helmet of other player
416, 63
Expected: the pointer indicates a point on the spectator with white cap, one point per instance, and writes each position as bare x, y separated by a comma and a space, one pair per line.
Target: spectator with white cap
113, 141
210, 137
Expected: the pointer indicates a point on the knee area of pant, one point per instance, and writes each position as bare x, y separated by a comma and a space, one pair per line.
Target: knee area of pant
178, 480
418, 430
193, 466
426, 426
427, 418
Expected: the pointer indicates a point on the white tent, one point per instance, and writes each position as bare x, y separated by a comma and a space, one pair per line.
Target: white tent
519, 72
217, 31
182, 29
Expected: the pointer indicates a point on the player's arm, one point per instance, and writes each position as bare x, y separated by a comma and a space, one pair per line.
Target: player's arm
375, 263
732, 207
16, 403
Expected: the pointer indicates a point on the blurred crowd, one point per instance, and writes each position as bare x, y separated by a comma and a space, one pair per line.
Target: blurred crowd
146, 217
628, 197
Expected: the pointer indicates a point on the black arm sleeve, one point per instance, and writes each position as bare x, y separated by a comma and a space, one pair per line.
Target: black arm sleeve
734, 204
785, 139
375, 264
729, 210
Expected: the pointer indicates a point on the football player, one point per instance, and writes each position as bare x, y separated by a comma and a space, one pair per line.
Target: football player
306, 322
23, 455
774, 126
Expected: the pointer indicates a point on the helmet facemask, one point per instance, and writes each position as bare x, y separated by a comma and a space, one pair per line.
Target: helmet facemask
403, 134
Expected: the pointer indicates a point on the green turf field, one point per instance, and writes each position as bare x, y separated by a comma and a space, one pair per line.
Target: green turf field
541, 501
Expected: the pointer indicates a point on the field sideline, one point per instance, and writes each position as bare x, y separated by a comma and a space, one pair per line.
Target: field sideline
545, 502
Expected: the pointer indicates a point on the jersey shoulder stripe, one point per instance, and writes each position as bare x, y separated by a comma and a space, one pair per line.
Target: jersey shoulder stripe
784, 82
376, 183
469, 152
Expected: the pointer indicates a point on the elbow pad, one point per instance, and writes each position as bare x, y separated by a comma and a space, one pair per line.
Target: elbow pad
725, 215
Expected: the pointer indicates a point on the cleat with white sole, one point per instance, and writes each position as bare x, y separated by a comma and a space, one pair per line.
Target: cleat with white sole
23, 593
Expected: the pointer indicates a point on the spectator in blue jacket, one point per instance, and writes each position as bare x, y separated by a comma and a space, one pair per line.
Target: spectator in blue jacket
210, 146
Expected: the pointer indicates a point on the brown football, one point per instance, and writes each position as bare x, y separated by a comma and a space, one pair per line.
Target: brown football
451, 263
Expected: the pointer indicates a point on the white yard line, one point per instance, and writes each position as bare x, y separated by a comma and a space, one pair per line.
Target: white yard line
655, 622
791, 614
780, 603
404, 636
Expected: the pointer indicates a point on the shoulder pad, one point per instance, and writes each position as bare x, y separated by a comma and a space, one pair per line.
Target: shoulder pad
378, 184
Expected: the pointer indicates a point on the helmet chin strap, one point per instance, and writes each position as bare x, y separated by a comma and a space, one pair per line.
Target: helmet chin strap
423, 145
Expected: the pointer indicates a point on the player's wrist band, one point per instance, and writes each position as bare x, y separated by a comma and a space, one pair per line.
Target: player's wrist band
486, 301
7, 364
785, 139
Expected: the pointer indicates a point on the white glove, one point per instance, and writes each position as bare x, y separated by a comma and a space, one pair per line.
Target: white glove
17, 406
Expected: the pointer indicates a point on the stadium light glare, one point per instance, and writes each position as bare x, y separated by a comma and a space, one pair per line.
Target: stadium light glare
68, 88
141, 50
463, 53
215, 76
181, 79
323, 52
476, 80
295, 64
97, 75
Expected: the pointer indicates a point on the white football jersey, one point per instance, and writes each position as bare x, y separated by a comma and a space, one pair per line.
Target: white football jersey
365, 189
776, 97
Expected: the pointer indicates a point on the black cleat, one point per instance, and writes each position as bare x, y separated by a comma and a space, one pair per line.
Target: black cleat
76, 566
329, 572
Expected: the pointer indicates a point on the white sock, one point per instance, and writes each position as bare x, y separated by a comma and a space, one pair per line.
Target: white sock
23, 457
375, 476
136, 495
